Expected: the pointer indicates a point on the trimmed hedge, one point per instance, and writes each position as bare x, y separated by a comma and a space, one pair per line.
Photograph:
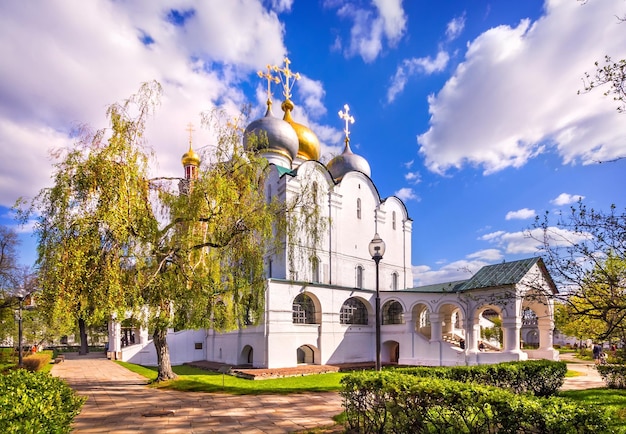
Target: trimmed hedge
35, 402
391, 402
537, 377
613, 375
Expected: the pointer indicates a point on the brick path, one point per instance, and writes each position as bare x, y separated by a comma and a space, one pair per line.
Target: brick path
119, 402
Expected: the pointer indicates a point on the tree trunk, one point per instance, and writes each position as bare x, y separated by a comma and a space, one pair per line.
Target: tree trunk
163, 355
82, 329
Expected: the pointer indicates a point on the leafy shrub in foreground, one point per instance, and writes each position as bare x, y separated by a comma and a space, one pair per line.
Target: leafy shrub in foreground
390, 402
613, 375
538, 377
36, 403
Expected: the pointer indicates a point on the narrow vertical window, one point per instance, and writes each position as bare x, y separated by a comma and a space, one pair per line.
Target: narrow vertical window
359, 277
393, 220
394, 281
358, 209
315, 270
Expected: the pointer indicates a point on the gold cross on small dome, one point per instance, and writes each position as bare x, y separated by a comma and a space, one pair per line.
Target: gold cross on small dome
345, 115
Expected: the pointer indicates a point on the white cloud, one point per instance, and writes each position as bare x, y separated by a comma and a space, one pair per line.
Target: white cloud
531, 241
515, 93
410, 67
455, 27
488, 255
566, 199
406, 194
281, 5
312, 93
65, 62
520, 214
413, 177
454, 271
386, 21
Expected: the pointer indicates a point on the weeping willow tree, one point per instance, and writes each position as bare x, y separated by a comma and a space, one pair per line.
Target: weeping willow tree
114, 242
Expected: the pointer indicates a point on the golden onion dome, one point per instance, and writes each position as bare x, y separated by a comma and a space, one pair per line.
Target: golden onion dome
190, 158
309, 145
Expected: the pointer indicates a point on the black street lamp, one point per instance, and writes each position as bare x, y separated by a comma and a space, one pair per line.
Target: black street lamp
377, 250
20, 311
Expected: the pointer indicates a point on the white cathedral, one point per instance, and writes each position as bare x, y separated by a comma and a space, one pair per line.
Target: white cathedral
320, 308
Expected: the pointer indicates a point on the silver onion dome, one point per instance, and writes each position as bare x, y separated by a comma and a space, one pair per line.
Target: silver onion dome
347, 162
272, 135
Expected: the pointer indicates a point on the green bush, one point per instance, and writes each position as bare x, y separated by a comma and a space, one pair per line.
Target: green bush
36, 362
537, 377
391, 402
613, 375
34, 402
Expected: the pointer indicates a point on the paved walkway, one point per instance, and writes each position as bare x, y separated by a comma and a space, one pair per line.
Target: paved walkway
589, 377
119, 402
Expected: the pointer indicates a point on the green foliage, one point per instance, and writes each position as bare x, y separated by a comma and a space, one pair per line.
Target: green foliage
612, 400
391, 402
586, 255
36, 362
36, 403
113, 241
537, 377
613, 375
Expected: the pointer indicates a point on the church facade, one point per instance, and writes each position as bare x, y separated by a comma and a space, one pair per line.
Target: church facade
323, 287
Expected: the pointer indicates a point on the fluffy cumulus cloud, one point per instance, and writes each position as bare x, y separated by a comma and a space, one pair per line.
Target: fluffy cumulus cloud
64, 62
406, 194
383, 20
409, 67
566, 199
531, 241
454, 271
520, 214
515, 93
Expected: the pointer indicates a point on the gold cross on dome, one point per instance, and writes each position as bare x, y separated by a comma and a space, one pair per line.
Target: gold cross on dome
349, 119
190, 130
270, 78
285, 75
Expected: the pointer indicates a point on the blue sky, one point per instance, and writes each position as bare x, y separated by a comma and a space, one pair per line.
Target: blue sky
468, 111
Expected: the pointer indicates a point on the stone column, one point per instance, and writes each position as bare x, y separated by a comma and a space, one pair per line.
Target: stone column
435, 327
510, 330
545, 334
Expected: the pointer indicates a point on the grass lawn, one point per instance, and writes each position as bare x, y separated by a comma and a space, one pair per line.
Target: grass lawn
612, 400
199, 380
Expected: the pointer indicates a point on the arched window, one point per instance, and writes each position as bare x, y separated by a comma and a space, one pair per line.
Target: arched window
315, 270
393, 220
394, 281
392, 313
359, 277
424, 318
358, 209
353, 311
529, 317
303, 310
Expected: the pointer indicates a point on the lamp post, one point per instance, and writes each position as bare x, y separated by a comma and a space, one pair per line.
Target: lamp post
377, 250
20, 299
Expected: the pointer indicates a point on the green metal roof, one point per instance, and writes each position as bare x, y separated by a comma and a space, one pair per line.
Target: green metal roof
506, 273
284, 170
438, 287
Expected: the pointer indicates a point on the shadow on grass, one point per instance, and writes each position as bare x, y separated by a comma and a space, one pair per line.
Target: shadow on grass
192, 379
